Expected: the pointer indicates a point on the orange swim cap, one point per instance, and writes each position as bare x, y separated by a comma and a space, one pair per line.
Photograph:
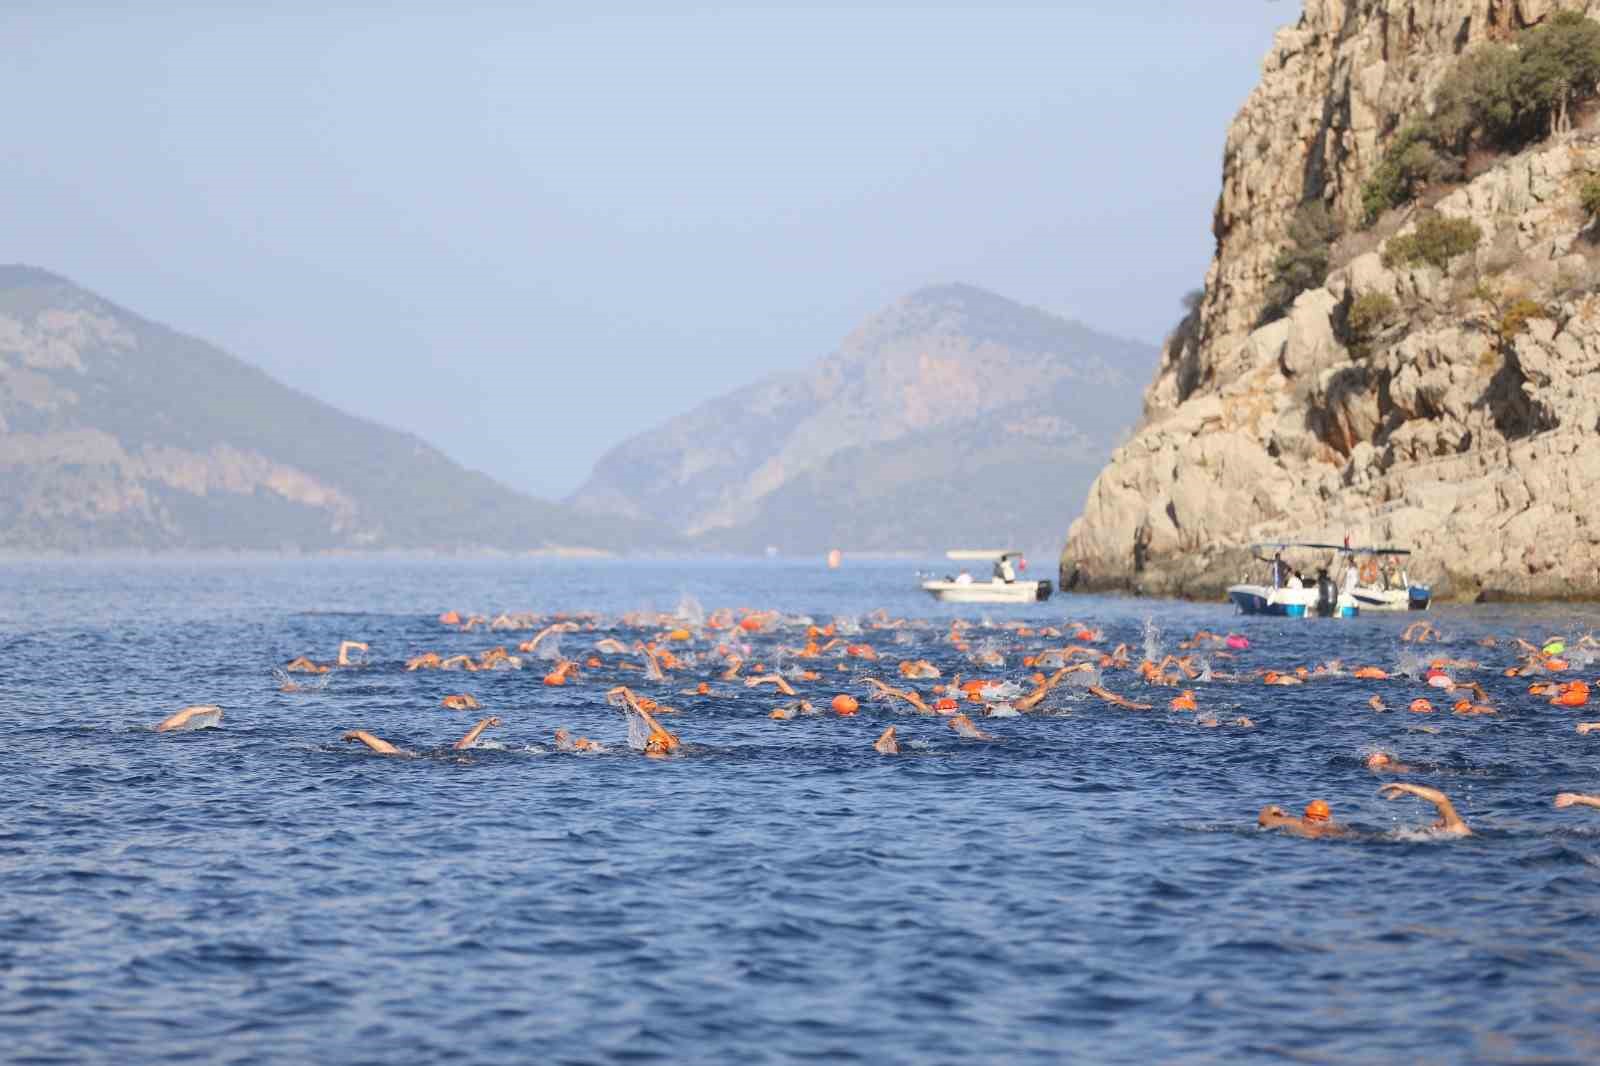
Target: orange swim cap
844, 705
1318, 811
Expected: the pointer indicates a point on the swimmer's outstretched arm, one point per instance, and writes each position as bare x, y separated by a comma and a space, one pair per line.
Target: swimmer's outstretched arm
771, 679
382, 747
348, 646
1118, 701
908, 695
1449, 821
182, 718
1576, 799
475, 732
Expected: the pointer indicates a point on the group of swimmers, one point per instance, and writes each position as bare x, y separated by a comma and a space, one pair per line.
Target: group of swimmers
725, 650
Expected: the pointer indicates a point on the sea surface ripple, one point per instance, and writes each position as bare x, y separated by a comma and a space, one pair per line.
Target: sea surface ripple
1090, 886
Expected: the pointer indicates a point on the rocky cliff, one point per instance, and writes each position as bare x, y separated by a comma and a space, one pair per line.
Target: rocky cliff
117, 433
954, 413
1463, 424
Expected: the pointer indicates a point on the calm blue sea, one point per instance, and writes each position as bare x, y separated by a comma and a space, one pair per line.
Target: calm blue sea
1090, 886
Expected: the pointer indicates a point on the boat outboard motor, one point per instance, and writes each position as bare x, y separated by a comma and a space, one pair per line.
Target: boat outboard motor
1043, 592
1327, 595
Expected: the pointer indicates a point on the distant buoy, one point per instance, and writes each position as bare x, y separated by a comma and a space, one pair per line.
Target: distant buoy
833, 559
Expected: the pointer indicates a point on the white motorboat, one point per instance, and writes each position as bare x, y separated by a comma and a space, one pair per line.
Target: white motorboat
1003, 585
1286, 595
1379, 586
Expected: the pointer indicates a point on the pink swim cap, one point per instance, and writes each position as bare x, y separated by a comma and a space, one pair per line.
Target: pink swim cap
1439, 679
1236, 640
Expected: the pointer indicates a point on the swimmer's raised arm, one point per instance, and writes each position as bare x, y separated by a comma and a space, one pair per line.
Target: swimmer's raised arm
1576, 799
348, 646
382, 747
475, 732
1449, 821
183, 717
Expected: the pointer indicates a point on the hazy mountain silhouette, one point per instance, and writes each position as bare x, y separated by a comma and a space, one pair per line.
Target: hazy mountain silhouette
118, 433
954, 416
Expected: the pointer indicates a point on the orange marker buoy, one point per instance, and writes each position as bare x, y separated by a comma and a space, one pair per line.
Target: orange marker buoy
844, 705
750, 624
678, 634
450, 618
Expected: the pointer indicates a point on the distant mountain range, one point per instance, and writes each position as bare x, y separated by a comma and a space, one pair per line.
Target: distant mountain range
118, 433
953, 417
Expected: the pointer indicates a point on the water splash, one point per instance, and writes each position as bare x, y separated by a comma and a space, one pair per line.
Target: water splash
1151, 634
689, 611
1084, 678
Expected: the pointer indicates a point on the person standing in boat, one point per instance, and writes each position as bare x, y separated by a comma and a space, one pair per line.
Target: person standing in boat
1003, 570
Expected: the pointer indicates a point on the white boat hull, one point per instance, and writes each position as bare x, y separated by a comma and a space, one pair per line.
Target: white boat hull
988, 591
1286, 603
1412, 598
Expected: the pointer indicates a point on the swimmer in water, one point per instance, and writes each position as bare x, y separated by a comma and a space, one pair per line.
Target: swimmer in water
1316, 823
302, 665
1449, 821
659, 743
471, 739
964, 727
348, 646
1576, 799
381, 747
1382, 762
567, 742
183, 718
1420, 632
886, 743
460, 702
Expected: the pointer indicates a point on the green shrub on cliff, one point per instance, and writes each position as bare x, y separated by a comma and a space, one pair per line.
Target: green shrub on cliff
1436, 241
1481, 98
1589, 196
1410, 162
1558, 66
1367, 316
1514, 319
1496, 96
1304, 263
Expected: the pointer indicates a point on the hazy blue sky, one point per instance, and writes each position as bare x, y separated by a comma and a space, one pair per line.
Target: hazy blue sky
524, 231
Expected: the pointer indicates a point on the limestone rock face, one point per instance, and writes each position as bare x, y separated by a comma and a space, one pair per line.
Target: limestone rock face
1456, 430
